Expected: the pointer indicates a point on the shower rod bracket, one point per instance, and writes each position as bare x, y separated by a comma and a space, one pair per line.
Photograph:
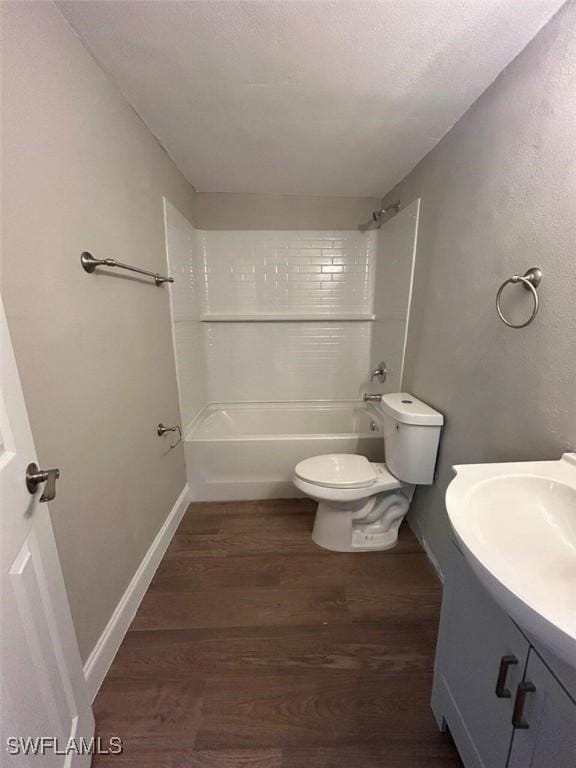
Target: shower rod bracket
377, 215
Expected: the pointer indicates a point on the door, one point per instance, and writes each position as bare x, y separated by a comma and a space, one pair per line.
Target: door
481, 658
43, 691
545, 721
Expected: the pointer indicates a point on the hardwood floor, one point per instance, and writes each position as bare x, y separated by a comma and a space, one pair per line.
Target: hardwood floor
254, 648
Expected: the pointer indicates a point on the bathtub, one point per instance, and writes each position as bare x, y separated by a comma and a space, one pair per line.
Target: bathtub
240, 451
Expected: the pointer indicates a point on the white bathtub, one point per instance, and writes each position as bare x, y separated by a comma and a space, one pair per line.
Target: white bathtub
248, 450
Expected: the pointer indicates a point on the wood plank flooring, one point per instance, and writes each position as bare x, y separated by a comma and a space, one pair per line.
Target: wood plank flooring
254, 648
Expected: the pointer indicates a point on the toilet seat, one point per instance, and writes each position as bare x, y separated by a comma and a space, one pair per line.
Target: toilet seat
375, 476
337, 470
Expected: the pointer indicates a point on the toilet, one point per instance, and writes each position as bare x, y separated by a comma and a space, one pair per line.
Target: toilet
361, 504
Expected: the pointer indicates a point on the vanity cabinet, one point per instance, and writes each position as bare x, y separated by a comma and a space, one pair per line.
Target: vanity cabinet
549, 741
500, 701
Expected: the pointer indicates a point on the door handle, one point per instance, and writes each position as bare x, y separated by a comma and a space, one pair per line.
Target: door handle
523, 689
35, 476
505, 662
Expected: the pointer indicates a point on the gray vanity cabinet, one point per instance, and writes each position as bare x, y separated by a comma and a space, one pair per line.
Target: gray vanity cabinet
477, 645
549, 741
500, 701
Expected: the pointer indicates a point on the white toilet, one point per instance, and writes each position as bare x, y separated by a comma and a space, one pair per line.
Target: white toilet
361, 503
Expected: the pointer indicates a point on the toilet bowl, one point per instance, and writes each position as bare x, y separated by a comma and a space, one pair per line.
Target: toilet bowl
361, 504
353, 514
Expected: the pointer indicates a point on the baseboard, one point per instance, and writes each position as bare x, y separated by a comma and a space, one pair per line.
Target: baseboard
242, 491
102, 656
426, 547
432, 557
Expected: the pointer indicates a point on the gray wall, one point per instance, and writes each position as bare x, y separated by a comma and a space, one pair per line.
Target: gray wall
235, 211
81, 171
498, 196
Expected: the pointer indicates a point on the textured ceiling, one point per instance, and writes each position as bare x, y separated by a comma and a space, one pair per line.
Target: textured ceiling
303, 97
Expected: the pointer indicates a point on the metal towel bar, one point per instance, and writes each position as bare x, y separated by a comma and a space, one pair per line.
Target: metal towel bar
89, 264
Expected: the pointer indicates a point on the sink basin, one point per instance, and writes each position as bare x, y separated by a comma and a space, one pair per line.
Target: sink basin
516, 526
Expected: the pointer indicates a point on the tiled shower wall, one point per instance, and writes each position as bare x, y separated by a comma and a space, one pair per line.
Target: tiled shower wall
287, 315
288, 272
280, 275
271, 315
185, 265
286, 360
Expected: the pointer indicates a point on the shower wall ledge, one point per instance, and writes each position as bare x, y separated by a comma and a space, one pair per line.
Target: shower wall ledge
288, 317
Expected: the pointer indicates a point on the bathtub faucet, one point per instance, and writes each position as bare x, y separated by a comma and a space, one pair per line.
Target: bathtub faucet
372, 398
380, 372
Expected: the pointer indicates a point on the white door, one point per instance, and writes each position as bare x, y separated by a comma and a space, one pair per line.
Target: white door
43, 691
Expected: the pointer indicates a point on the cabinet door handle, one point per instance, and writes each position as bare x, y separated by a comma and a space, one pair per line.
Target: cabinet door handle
505, 662
523, 689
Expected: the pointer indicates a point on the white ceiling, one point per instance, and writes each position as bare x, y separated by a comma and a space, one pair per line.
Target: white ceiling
298, 96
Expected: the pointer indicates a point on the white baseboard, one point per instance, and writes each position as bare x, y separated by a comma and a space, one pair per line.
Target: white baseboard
102, 656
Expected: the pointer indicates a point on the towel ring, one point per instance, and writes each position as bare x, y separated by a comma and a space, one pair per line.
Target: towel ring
530, 280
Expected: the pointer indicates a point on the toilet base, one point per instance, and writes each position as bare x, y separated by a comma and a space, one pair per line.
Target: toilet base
371, 525
359, 541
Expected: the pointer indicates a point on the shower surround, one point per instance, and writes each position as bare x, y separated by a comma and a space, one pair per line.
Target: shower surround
277, 317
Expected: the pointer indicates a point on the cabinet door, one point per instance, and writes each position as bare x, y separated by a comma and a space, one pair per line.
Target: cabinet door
477, 641
548, 736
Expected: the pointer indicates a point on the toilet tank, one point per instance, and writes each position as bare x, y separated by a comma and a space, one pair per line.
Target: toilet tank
411, 437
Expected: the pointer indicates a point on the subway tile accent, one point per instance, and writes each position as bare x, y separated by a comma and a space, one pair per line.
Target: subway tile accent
251, 272
286, 361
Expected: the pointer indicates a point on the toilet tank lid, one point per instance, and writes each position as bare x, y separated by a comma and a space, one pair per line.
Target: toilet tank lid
407, 409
